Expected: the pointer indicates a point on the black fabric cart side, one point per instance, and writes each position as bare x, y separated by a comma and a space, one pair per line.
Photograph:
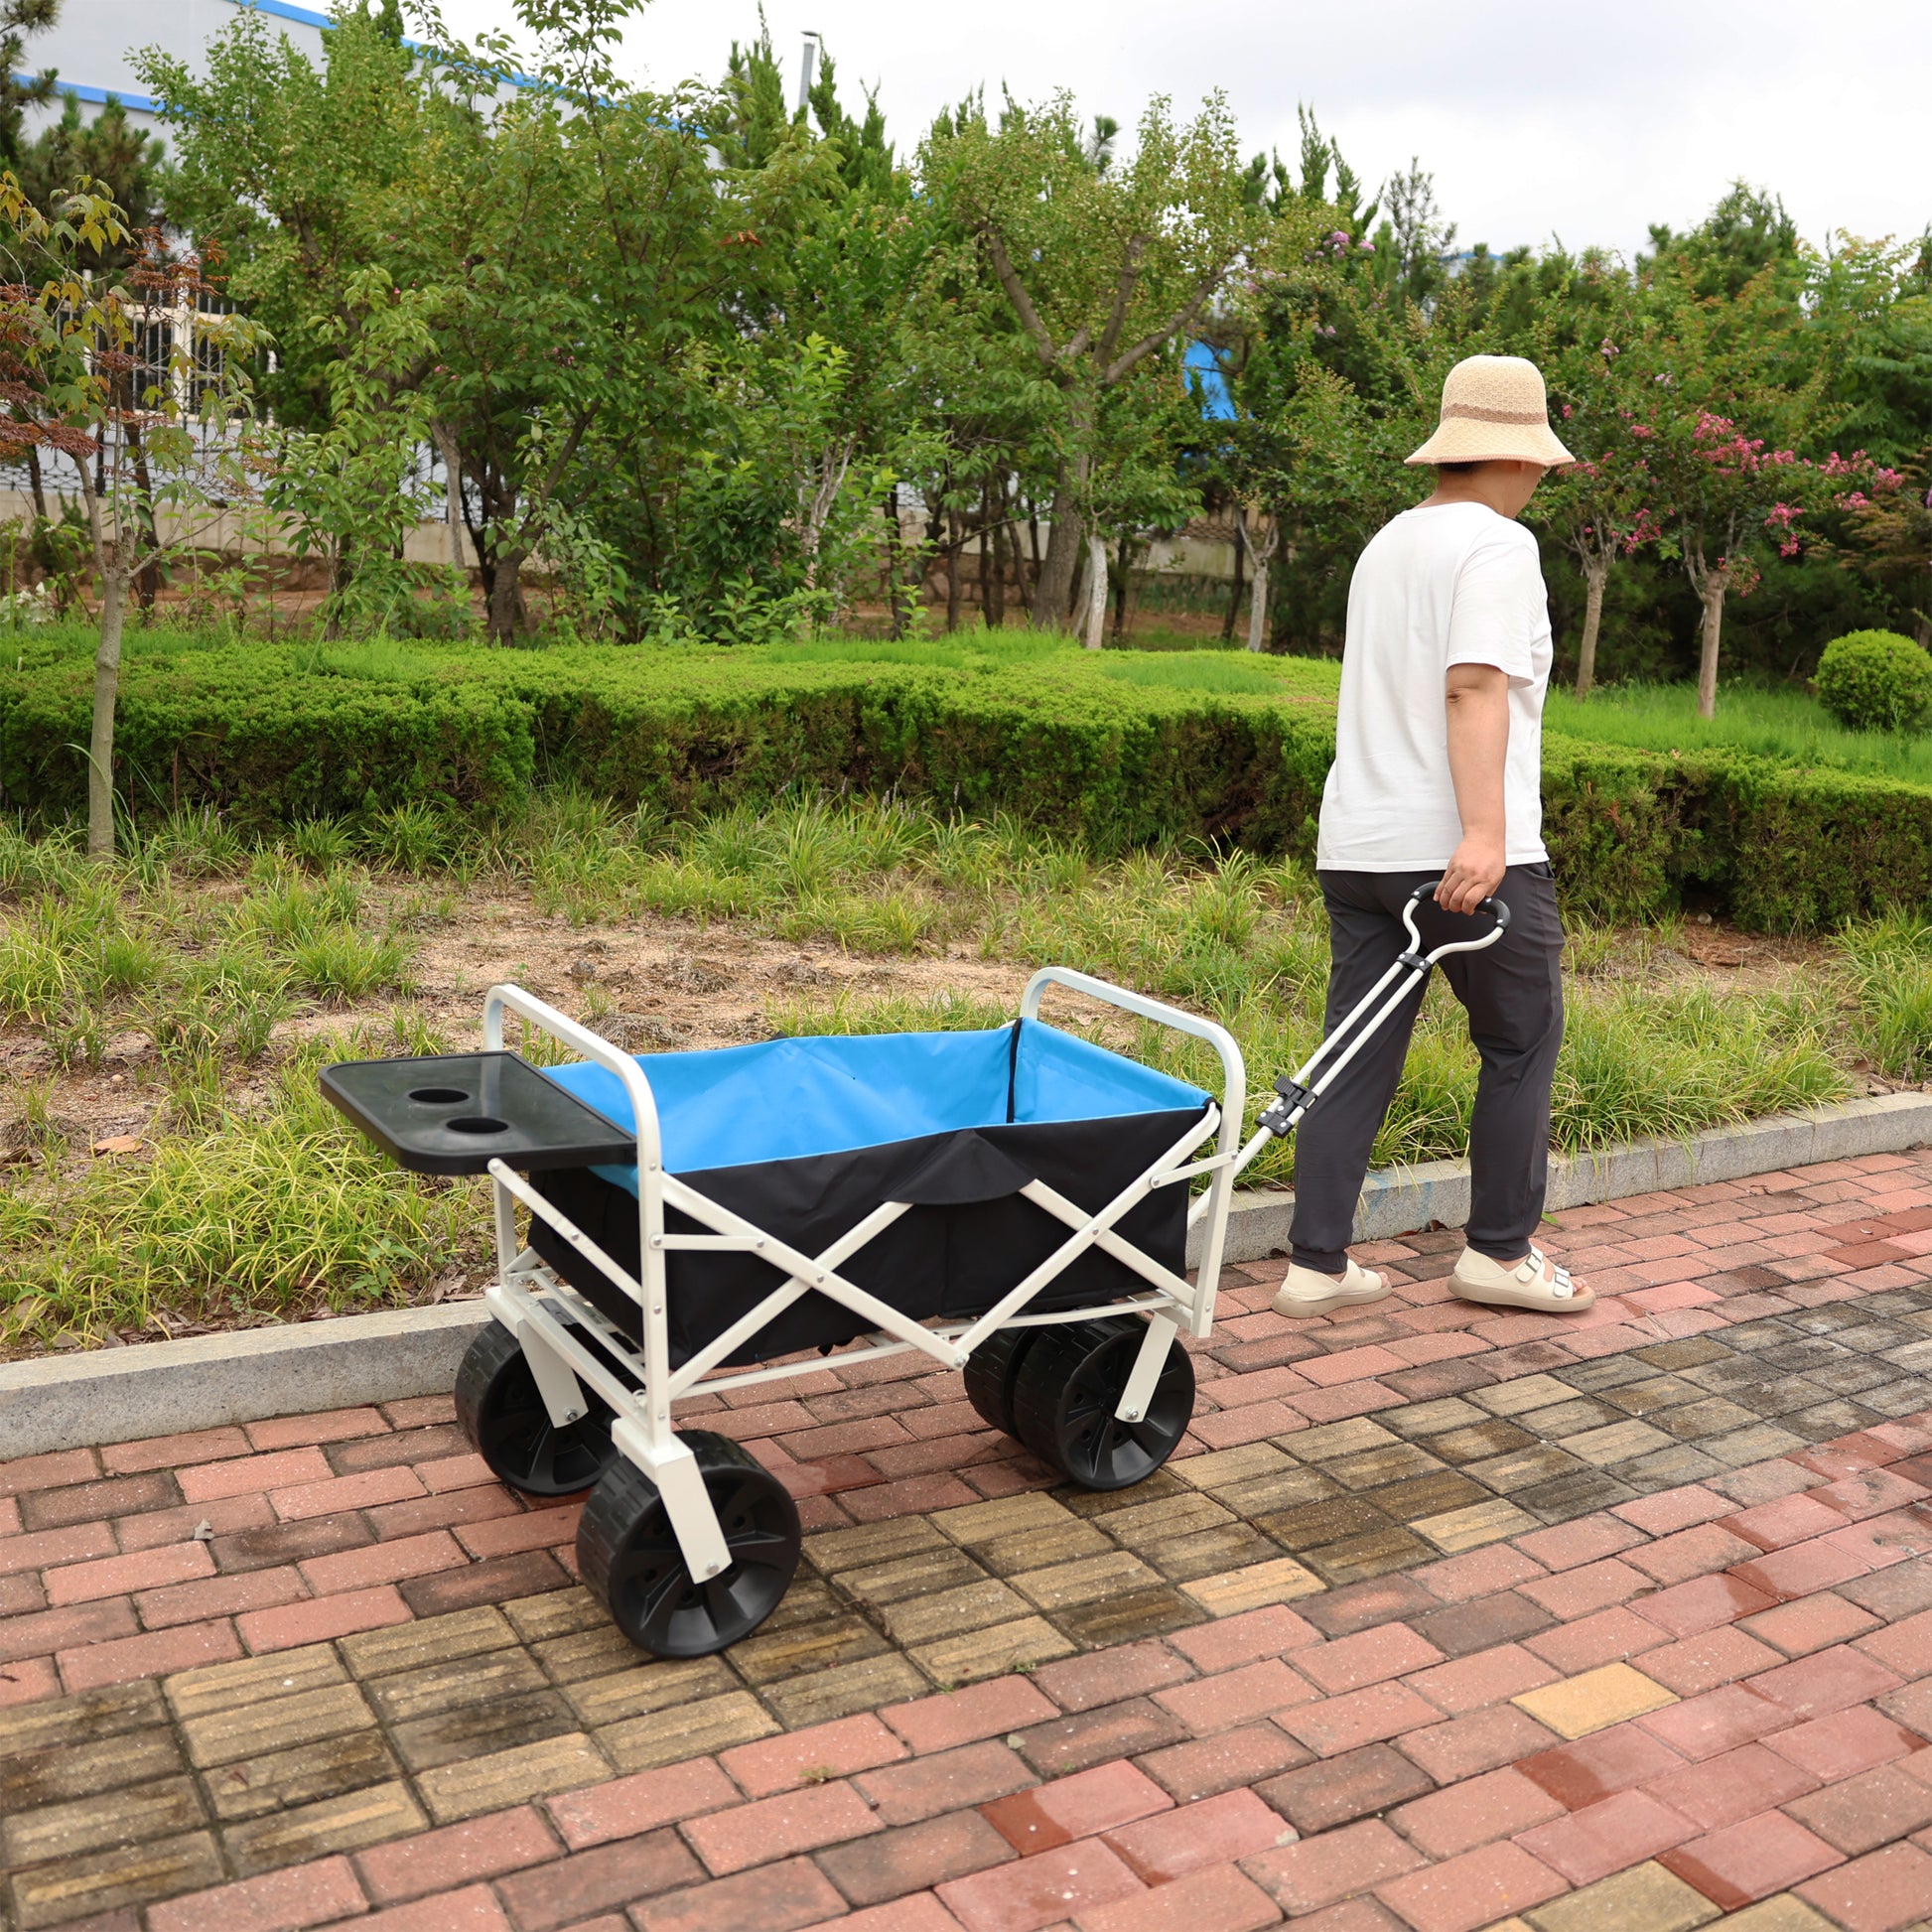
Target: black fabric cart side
969, 1238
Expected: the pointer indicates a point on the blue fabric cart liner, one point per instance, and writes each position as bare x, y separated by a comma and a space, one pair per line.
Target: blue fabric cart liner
831, 1093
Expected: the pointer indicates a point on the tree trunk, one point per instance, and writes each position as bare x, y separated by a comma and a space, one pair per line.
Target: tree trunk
34, 478
100, 739
505, 598
986, 554
445, 440
1714, 617
1234, 600
894, 594
1096, 622
1593, 577
954, 541
1053, 594
1258, 605
996, 607
1120, 588
147, 582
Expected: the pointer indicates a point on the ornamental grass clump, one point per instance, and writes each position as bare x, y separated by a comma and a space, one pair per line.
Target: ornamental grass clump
1877, 681
1890, 961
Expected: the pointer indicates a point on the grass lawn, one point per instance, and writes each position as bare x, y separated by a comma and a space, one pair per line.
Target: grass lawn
1782, 724
172, 1009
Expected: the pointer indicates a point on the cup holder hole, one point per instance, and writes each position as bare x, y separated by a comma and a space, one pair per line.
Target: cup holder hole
438, 1096
478, 1124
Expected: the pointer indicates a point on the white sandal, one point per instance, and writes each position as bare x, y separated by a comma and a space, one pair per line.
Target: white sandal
1307, 1290
1534, 1282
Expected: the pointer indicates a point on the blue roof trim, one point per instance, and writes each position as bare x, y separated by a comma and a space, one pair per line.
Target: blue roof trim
302, 16
97, 97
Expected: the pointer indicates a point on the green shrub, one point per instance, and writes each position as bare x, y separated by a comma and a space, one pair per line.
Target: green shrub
1875, 681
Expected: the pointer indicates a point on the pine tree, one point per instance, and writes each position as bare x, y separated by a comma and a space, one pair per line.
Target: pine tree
18, 91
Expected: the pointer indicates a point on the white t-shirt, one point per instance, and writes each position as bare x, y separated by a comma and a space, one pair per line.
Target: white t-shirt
1451, 584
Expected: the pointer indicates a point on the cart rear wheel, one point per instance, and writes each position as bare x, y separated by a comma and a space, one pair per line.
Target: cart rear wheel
990, 1373
503, 1414
1069, 1384
628, 1554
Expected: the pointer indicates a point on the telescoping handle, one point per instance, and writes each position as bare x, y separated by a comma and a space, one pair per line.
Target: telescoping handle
1295, 1093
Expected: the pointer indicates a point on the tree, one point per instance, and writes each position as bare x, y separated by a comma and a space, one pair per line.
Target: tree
18, 91
1729, 397
353, 490
1101, 266
1892, 539
1709, 369
1601, 505
295, 173
110, 150
83, 378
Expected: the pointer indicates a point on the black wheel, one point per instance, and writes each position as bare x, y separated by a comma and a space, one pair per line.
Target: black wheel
629, 1556
1068, 1388
990, 1372
503, 1414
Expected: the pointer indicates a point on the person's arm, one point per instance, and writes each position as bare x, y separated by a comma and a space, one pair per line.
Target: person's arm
1477, 699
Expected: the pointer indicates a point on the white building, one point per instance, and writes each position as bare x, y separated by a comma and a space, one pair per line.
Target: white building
91, 48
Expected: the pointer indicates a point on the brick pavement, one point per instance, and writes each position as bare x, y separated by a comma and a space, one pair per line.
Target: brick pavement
1439, 1622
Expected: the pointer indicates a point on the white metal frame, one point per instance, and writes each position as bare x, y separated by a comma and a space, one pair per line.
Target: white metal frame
544, 1312
546, 1315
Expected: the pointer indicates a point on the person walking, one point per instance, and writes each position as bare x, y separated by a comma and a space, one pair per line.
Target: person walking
1438, 776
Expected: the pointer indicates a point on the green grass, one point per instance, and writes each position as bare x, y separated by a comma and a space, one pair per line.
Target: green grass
1890, 962
1783, 725
238, 1216
257, 1202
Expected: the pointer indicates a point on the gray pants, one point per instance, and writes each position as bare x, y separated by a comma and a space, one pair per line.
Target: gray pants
1513, 995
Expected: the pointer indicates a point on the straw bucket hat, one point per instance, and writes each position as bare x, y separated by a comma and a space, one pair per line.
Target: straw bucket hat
1495, 410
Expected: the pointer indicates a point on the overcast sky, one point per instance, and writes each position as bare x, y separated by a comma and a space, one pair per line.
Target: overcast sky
1538, 118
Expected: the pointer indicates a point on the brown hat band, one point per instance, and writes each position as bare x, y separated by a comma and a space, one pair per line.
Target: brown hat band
1475, 413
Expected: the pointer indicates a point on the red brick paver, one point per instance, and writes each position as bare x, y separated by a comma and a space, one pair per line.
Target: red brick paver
1346, 1661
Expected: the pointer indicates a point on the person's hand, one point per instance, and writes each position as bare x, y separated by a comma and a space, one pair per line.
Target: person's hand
1473, 874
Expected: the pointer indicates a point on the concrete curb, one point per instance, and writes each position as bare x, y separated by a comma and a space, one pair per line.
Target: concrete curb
119, 1395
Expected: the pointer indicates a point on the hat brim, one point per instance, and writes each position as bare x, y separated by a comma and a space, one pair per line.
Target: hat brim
1462, 441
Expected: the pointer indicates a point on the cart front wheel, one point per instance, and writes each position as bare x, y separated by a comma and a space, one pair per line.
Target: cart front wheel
991, 1371
1069, 1384
628, 1555
503, 1414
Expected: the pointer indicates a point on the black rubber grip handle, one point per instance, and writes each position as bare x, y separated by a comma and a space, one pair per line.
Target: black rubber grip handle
1496, 909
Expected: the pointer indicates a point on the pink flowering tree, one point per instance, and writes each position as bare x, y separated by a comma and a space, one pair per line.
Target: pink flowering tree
1722, 395
1734, 497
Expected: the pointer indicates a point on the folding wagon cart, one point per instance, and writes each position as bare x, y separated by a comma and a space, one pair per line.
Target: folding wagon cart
1011, 1202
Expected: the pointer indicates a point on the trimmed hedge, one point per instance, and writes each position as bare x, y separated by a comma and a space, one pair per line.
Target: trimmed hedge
1077, 744
242, 731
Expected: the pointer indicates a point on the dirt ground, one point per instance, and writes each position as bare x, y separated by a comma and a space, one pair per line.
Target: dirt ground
647, 986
